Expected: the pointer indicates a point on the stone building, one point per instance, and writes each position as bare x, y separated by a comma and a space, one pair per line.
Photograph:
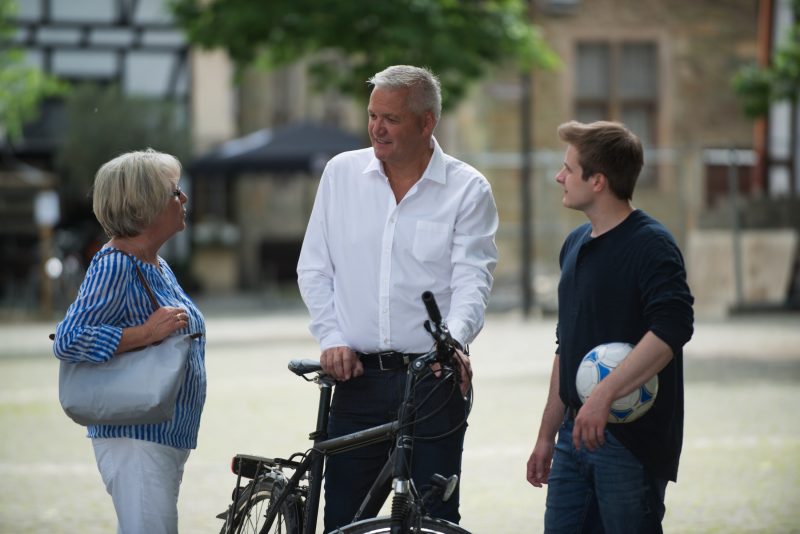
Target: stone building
663, 68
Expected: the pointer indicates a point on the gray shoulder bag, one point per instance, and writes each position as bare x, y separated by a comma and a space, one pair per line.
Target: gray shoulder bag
132, 388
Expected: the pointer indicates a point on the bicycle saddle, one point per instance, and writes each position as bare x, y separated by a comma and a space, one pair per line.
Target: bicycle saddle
304, 366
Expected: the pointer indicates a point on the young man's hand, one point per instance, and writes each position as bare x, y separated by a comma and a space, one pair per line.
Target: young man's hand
539, 463
590, 423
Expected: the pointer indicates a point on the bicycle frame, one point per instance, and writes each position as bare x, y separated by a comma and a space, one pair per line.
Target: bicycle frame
396, 467
314, 462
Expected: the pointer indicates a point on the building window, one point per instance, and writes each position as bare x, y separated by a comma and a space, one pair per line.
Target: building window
618, 80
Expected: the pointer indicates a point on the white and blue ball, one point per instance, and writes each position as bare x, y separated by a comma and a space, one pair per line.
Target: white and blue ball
597, 364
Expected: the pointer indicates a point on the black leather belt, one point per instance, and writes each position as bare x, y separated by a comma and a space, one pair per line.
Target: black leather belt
387, 361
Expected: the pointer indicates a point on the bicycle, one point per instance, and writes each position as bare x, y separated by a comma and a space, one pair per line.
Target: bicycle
282, 495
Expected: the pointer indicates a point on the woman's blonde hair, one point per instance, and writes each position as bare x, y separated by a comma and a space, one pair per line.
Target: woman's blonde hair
131, 190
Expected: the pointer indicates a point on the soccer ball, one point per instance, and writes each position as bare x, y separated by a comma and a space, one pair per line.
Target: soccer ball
597, 364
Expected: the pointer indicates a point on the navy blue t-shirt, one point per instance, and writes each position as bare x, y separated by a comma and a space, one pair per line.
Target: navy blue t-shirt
615, 288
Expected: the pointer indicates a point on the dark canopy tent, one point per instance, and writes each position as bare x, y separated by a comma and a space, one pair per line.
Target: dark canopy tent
298, 147
286, 152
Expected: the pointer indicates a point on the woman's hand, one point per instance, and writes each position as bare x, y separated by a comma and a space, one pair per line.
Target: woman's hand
161, 323
164, 321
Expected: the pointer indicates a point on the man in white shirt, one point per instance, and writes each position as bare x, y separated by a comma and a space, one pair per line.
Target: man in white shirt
390, 222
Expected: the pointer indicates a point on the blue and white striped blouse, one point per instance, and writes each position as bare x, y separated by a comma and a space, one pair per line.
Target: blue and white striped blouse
111, 298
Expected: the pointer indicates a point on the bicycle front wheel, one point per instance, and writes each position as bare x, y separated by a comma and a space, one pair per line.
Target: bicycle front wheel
383, 525
250, 511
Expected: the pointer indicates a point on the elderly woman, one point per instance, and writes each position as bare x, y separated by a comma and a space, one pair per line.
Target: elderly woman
140, 206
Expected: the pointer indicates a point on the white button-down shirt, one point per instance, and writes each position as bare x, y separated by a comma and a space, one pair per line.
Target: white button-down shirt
367, 259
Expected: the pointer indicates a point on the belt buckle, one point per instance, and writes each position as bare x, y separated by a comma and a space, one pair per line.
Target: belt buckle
387, 353
380, 356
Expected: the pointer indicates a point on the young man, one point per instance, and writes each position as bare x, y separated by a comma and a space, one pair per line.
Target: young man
622, 279
390, 222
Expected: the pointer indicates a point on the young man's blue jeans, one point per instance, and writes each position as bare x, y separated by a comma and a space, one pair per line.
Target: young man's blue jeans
605, 490
373, 399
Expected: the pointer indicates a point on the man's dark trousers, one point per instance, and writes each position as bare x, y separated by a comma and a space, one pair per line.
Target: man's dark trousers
374, 399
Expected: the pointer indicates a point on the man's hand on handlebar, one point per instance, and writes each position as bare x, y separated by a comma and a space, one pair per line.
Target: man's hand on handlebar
341, 363
464, 369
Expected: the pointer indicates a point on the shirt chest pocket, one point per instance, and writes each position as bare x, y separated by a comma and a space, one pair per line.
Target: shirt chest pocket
431, 240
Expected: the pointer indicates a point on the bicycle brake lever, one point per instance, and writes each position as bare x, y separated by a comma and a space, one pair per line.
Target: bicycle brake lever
423, 361
428, 324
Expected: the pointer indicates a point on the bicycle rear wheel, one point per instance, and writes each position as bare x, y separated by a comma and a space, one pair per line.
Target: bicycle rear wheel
382, 525
250, 510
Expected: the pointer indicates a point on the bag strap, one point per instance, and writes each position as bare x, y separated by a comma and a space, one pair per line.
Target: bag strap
139, 273
150, 293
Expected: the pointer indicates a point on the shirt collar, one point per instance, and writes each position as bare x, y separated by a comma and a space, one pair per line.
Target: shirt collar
436, 166
435, 170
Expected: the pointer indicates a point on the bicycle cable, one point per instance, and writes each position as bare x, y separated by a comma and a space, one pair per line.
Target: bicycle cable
448, 373
441, 407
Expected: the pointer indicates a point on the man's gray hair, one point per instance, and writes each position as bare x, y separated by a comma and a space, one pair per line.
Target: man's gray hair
425, 91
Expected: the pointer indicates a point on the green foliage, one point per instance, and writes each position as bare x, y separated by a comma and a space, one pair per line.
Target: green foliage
347, 42
21, 87
786, 67
759, 87
102, 123
754, 88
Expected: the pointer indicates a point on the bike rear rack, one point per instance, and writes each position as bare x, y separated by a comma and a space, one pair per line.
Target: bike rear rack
248, 466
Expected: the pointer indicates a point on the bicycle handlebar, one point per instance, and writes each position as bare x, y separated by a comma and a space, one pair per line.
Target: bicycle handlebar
437, 328
433, 309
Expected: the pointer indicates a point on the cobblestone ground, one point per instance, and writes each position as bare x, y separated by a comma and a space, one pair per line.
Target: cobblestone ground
740, 469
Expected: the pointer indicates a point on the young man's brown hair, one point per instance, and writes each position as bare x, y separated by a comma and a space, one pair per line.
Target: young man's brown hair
608, 148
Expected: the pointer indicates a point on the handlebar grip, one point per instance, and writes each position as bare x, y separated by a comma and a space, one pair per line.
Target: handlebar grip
433, 309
